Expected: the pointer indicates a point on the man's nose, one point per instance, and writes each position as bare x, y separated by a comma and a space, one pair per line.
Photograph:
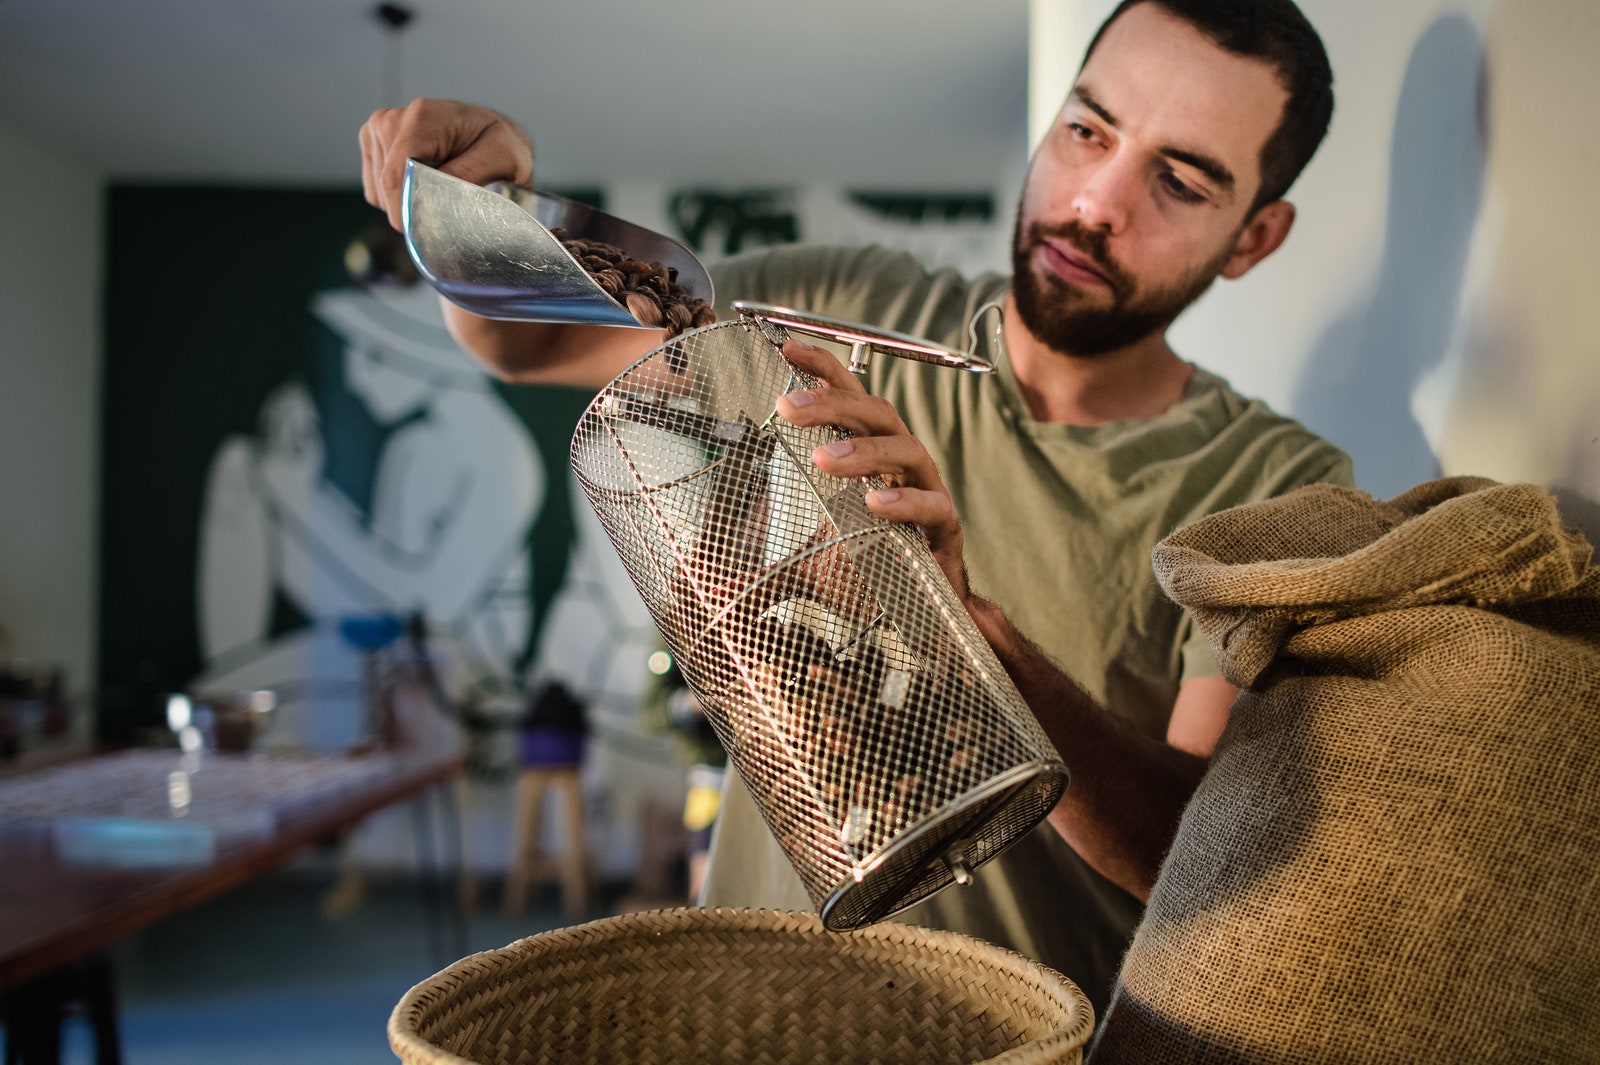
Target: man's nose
1105, 200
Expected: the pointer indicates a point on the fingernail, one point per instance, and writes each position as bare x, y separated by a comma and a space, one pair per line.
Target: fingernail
884, 495
839, 448
801, 399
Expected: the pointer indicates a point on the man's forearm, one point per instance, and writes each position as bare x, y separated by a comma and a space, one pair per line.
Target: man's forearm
1126, 791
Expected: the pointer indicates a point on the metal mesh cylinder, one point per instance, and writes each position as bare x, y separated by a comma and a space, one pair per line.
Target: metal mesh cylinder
881, 739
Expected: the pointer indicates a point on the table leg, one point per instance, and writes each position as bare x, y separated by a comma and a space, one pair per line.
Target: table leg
34, 1012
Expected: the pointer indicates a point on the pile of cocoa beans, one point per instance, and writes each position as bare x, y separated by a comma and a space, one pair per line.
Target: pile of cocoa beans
650, 291
815, 727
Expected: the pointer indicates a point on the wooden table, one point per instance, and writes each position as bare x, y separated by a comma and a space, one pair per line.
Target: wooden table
60, 902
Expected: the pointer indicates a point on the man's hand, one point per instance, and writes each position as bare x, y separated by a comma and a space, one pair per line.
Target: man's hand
469, 142
883, 446
479, 145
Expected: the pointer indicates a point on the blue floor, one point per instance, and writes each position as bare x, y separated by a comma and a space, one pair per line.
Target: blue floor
261, 976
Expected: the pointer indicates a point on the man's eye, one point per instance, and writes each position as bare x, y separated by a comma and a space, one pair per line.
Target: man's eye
1175, 187
1080, 132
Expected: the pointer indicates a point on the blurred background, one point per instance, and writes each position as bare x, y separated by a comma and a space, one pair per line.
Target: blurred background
218, 447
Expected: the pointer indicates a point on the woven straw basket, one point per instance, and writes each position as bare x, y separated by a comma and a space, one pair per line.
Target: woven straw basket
747, 986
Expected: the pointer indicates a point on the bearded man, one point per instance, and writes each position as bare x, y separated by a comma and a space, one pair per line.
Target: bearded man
1044, 486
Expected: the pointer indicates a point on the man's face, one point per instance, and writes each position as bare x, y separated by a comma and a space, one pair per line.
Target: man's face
1138, 196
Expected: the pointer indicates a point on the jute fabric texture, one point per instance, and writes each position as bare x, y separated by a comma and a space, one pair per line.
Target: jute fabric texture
754, 987
1395, 853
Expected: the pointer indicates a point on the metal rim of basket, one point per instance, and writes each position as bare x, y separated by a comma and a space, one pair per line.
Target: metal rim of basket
974, 807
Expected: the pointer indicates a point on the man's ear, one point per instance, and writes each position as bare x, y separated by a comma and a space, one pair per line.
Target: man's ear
1260, 237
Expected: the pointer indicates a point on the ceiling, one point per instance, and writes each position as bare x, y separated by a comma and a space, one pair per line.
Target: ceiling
866, 93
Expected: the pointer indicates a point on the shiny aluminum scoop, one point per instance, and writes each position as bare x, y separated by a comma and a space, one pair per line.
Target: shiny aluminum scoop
491, 252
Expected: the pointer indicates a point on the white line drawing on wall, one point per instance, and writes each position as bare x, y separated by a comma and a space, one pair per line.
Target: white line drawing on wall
457, 485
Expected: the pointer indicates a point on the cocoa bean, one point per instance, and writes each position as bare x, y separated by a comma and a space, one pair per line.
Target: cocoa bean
649, 290
642, 307
678, 316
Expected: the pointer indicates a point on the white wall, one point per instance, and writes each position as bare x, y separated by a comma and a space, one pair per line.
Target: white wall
50, 311
1432, 310
1522, 396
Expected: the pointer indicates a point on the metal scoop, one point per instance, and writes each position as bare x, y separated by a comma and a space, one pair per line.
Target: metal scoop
490, 251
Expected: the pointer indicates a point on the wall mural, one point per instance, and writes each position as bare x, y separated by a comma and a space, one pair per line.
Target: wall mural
288, 448
455, 487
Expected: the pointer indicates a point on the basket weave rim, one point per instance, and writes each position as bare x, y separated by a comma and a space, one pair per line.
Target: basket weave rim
424, 998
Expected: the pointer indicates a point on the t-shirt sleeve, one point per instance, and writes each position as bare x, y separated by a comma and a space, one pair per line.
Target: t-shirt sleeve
1319, 462
1198, 660
1312, 461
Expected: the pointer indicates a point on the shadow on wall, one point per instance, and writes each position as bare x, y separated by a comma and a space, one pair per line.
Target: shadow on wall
1359, 382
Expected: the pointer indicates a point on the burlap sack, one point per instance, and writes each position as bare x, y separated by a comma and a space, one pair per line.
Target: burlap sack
1396, 851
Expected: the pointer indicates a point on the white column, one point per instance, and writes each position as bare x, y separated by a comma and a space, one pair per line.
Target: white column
1058, 32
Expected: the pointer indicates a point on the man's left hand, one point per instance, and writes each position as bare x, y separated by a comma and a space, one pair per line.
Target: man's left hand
883, 446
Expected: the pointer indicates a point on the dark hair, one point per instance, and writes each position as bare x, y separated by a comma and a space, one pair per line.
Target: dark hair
1275, 31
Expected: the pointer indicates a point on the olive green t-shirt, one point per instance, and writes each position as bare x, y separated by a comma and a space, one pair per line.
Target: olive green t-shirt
1059, 523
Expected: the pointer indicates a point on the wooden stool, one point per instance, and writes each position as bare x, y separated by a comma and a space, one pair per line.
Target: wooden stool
529, 863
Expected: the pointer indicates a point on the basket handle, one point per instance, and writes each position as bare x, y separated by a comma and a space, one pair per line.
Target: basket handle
775, 322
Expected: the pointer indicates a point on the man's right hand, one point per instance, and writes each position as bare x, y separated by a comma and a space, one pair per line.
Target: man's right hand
479, 145
464, 140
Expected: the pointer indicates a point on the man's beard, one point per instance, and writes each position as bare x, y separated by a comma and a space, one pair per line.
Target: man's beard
1057, 314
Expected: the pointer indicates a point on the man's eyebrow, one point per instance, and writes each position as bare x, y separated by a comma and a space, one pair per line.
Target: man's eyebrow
1086, 98
1211, 167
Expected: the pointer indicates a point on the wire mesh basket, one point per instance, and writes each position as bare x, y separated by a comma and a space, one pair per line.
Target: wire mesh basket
709, 987
885, 746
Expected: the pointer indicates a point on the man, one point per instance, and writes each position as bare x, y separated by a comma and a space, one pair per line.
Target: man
1093, 439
